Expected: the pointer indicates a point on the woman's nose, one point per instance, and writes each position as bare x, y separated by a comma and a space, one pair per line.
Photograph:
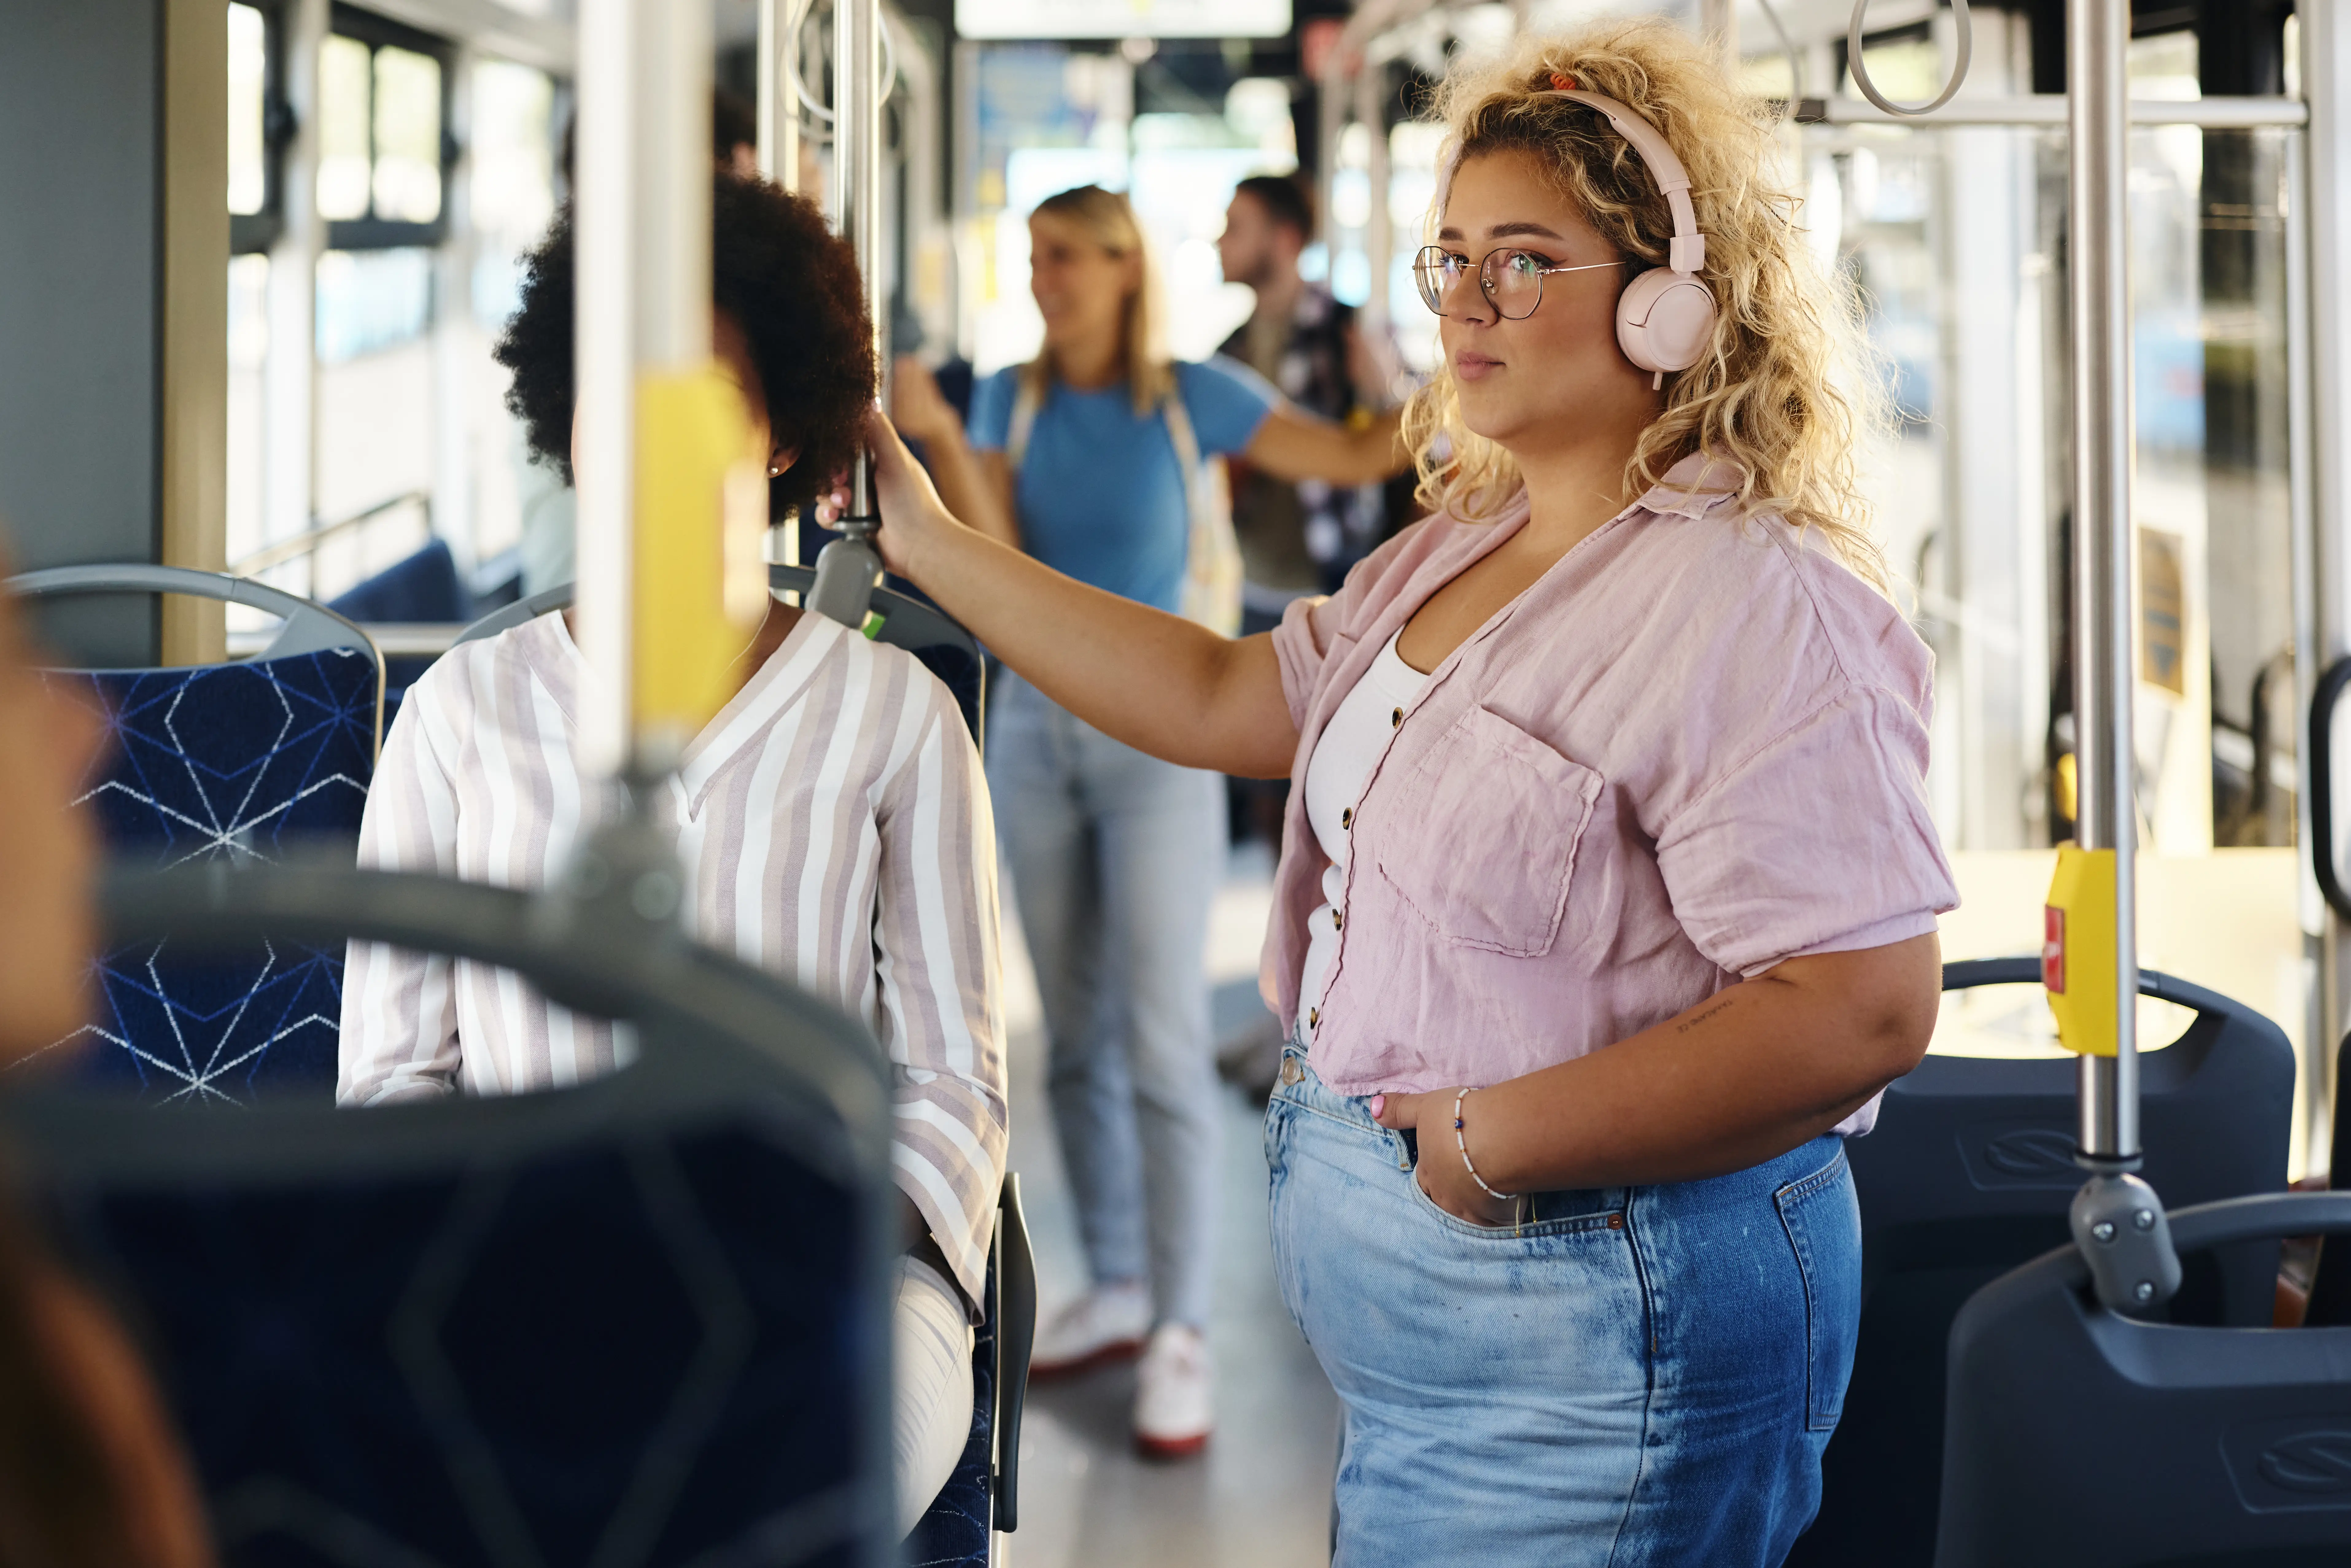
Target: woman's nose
1466, 300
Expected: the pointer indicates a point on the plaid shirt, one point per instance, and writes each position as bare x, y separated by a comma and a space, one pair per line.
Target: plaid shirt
1302, 538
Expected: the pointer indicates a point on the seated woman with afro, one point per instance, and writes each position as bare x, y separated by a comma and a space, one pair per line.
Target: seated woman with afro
833, 817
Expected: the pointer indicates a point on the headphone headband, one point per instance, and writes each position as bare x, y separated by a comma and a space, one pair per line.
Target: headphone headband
1688, 252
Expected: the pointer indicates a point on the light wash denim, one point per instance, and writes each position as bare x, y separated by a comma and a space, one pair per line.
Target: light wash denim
1636, 1377
1115, 857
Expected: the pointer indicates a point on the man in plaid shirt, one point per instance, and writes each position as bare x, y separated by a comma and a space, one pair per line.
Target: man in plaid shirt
1298, 539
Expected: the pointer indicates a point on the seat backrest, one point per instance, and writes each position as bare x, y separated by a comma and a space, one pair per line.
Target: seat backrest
523, 611
2079, 1438
945, 649
644, 1320
422, 587
307, 628
225, 762
1972, 1159
1969, 1174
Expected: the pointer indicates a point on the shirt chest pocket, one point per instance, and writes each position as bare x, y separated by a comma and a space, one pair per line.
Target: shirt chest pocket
1482, 838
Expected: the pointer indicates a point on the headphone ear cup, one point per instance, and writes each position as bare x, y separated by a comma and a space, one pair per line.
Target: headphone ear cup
1665, 321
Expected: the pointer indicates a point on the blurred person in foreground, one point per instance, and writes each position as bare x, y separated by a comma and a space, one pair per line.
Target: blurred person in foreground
91, 1475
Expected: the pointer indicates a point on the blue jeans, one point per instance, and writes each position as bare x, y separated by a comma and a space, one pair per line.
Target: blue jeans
1115, 859
1635, 1376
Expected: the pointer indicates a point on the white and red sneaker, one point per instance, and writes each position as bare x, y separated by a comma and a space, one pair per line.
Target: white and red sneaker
1174, 1394
1107, 1323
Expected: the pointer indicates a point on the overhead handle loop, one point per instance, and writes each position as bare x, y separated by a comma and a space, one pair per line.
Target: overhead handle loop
1869, 88
886, 76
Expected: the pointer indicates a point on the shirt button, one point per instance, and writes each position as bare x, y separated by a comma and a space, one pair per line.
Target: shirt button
1346, 818
1337, 922
1313, 1016
1395, 719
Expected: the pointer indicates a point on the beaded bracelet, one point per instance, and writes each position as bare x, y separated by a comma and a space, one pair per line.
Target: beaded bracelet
1463, 1145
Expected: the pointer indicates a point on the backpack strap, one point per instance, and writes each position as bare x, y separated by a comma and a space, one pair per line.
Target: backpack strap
1187, 444
1025, 406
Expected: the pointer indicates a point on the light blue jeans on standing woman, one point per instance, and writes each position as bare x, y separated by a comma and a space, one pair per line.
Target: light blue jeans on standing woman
1636, 1377
1116, 858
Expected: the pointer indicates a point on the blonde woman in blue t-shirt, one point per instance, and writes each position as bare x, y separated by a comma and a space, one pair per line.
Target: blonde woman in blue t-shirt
1080, 458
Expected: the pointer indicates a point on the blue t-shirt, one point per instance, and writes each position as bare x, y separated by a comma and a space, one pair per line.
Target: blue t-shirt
1099, 493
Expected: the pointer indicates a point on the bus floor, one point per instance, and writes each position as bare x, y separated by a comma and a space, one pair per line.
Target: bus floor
1259, 1497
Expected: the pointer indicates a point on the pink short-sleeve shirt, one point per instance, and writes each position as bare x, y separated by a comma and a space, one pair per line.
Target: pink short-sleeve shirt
1695, 748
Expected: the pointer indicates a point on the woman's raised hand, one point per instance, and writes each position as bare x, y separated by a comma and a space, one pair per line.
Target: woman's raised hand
913, 517
917, 407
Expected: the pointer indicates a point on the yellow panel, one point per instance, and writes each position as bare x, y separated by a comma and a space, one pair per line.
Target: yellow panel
693, 439
2077, 950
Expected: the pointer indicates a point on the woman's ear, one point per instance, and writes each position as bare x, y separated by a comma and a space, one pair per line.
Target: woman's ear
781, 458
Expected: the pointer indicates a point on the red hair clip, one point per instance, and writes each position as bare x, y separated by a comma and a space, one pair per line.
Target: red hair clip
1562, 83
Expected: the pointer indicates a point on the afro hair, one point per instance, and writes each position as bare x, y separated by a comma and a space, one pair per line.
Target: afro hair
786, 280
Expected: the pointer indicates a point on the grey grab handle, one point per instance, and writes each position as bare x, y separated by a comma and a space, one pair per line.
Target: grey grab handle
522, 611
583, 952
2323, 704
2262, 1216
913, 624
847, 570
310, 627
1968, 972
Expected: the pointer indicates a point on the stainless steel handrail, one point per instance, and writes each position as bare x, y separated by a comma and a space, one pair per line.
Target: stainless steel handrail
2049, 109
2099, 33
308, 541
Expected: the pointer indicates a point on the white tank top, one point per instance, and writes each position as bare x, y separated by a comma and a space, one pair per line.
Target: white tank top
1346, 751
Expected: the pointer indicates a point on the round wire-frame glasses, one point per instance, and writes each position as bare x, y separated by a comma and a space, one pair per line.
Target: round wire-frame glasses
1512, 279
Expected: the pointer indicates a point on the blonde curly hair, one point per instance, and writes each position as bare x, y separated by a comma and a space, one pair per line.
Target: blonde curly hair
1787, 387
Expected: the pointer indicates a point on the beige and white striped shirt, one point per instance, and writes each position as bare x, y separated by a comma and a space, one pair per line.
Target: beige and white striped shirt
835, 829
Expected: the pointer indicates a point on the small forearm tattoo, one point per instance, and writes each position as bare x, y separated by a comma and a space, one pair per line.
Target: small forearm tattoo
1700, 1017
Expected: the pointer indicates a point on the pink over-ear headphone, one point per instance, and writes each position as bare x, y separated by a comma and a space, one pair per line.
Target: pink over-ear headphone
1665, 318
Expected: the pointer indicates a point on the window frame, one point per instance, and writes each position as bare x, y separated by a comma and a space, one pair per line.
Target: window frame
251, 233
377, 32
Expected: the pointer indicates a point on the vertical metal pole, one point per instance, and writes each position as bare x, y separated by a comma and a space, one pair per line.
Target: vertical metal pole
643, 228
779, 105
924, 241
1719, 20
1379, 226
2325, 193
780, 161
2321, 931
1330, 101
2099, 33
973, 264
857, 151
454, 347
849, 569
290, 395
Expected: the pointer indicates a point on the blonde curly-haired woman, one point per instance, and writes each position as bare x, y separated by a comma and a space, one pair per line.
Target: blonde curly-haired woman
1608, 895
